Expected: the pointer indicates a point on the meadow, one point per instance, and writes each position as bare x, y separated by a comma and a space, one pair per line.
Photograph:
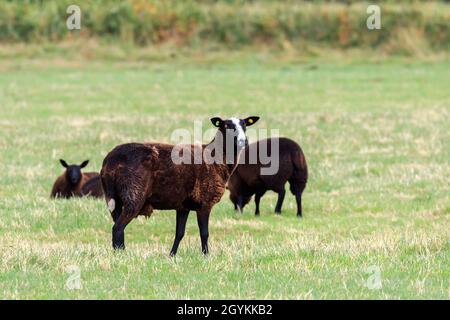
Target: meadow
375, 135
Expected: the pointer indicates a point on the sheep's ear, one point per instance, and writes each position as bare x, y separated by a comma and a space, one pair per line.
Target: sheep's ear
84, 163
63, 163
217, 122
250, 120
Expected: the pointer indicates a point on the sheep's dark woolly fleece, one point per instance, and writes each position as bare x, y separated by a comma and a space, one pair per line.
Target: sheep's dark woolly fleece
247, 179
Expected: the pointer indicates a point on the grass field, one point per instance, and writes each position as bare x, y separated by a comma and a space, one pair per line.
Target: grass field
376, 137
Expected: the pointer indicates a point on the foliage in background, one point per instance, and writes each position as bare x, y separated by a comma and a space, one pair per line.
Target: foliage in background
407, 26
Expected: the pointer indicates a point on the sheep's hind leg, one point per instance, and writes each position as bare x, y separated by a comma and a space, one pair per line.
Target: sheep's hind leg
118, 229
182, 216
280, 200
297, 190
203, 221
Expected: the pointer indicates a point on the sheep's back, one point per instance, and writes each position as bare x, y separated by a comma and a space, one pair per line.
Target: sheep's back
290, 159
148, 169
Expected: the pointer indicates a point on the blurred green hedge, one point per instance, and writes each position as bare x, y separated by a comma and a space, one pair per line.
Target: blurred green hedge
233, 23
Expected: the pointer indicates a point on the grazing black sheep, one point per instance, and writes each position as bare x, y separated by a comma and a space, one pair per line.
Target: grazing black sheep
70, 182
247, 179
140, 177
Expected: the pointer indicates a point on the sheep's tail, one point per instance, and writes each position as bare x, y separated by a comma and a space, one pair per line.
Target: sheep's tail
300, 166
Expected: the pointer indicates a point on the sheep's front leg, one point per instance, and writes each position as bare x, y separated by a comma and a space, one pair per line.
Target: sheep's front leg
240, 203
203, 222
182, 216
258, 196
280, 200
298, 198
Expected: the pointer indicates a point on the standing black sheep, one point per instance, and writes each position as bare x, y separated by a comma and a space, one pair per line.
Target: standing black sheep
140, 177
247, 179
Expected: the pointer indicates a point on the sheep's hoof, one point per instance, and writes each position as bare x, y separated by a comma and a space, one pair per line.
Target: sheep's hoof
119, 246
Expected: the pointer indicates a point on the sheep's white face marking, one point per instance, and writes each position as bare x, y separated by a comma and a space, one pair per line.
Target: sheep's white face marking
111, 205
241, 137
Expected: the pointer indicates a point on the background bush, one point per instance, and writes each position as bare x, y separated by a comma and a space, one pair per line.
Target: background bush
406, 25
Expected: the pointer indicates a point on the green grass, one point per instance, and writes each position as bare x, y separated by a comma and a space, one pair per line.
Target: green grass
376, 137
